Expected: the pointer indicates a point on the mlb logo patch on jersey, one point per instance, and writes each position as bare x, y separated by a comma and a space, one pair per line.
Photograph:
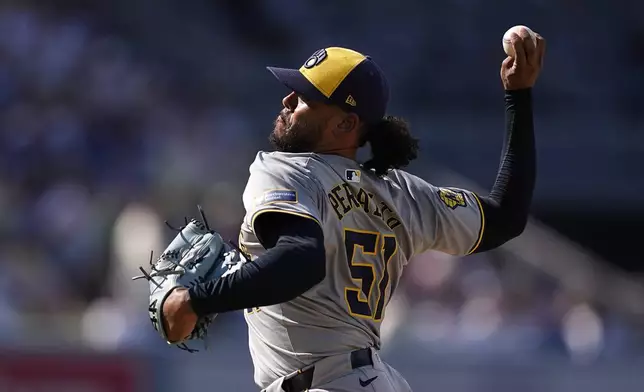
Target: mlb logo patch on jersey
452, 198
352, 175
277, 195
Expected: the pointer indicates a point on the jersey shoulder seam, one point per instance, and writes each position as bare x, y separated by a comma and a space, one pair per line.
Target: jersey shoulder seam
318, 185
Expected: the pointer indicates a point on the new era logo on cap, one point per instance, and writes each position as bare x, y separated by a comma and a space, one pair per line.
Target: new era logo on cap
342, 77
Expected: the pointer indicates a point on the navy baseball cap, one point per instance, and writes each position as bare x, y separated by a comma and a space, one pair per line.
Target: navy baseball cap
342, 77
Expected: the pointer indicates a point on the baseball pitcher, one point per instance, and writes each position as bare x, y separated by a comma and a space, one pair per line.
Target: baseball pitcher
327, 237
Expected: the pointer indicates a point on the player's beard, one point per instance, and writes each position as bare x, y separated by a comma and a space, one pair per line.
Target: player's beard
302, 136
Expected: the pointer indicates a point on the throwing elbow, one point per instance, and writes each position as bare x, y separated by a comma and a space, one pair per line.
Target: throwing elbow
517, 225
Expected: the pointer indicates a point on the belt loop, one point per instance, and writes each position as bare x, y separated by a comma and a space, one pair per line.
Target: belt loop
375, 357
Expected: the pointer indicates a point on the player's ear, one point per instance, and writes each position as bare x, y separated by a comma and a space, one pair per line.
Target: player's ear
349, 122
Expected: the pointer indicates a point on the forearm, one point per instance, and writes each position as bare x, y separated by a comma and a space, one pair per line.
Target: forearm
290, 268
507, 206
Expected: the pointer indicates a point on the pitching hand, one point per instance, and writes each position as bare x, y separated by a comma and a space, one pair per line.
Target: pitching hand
523, 70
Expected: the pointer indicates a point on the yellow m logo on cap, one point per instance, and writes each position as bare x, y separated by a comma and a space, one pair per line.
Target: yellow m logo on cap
331, 69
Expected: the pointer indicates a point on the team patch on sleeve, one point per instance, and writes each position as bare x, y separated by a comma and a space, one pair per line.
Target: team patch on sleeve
452, 198
277, 195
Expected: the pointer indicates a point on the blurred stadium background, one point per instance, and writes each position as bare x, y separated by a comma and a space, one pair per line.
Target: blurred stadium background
116, 115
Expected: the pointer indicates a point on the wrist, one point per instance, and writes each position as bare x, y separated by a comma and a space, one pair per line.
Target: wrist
518, 96
519, 91
178, 317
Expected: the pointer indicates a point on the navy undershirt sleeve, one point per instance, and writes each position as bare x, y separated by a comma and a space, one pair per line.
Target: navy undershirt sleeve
293, 263
507, 206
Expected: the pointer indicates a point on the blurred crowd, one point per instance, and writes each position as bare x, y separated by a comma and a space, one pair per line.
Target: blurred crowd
102, 140
88, 129
496, 306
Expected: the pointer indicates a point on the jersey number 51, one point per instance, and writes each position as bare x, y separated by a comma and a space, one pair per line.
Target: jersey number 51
379, 252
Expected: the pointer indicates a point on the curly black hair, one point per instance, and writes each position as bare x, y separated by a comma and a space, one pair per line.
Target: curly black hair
392, 145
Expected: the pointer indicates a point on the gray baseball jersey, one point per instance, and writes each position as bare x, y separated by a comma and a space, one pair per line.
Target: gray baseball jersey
372, 227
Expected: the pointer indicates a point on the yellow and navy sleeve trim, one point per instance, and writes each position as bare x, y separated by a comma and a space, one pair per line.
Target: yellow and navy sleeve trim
482, 228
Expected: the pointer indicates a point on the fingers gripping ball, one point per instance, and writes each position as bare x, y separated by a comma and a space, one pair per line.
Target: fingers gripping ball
522, 31
196, 254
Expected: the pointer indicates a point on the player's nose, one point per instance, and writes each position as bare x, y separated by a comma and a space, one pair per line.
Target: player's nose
290, 101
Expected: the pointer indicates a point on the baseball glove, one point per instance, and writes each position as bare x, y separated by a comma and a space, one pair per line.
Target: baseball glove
197, 254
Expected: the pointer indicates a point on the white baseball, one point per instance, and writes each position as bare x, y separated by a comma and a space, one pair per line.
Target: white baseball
520, 30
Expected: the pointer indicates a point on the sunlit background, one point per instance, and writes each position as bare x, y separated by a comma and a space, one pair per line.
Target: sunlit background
116, 115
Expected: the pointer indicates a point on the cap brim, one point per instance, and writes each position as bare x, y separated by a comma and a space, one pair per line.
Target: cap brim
294, 80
